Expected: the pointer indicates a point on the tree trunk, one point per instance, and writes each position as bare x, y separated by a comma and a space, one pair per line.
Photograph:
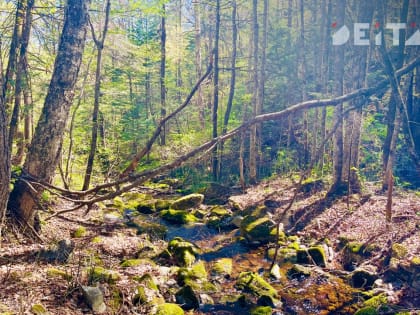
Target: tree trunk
162, 74
216, 91
4, 157
199, 70
44, 151
338, 52
95, 123
253, 148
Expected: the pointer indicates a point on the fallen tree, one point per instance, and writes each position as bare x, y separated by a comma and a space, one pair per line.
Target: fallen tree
126, 183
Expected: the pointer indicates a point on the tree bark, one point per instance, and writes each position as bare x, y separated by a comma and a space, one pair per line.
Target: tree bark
162, 74
338, 156
44, 151
215, 159
253, 147
99, 43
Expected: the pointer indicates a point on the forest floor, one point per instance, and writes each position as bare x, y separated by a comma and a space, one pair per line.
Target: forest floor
27, 280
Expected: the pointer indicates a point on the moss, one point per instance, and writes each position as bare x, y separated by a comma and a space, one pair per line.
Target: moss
294, 245
255, 284
131, 263
261, 310
79, 232
178, 216
118, 203
192, 274
367, 311
223, 266
315, 254
99, 274
188, 202
219, 212
96, 240
38, 309
54, 272
415, 261
377, 301
169, 309
162, 204
354, 247
183, 251
399, 251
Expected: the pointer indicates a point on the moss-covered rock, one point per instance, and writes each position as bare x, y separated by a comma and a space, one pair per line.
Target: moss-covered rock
377, 301
367, 311
178, 216
261, 310
79, 232
258, 230
147, 291
399, 251
312, 255
191, 275
275, 272
169, 309
188, 202
136, 262
187, 298
184, 252
256, 285
222, 267
99, 274
39, 309
216, 194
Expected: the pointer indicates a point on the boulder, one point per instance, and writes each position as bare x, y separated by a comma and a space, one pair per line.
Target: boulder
261, 310
39, 309
94, 299
146, 206
99, 274
188, 202
147, 292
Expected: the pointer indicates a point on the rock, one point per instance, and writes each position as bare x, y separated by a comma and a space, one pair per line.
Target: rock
363, 277
136, 262
99, 274
79, 232
178, 216
169, 309
94, 299
192, 275
161, 204
354, 253
188, 202
261, 230
367, 311
39, 309
298, 272
184, 252
59, 253
222, 267
261, 310
237, 220
257, 286
216, 194
312, 255
275, 272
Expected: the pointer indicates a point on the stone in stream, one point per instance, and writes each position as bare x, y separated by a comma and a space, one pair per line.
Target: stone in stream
169, 309
312, 255
363, 277
258, 287
178, 216
94, 299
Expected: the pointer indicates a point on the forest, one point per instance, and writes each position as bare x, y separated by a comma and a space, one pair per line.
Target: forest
173, 157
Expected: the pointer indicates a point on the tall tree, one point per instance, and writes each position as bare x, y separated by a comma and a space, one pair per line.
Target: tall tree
338, 54
162, 74
253, 145
216, 91
99, 43
43, 156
